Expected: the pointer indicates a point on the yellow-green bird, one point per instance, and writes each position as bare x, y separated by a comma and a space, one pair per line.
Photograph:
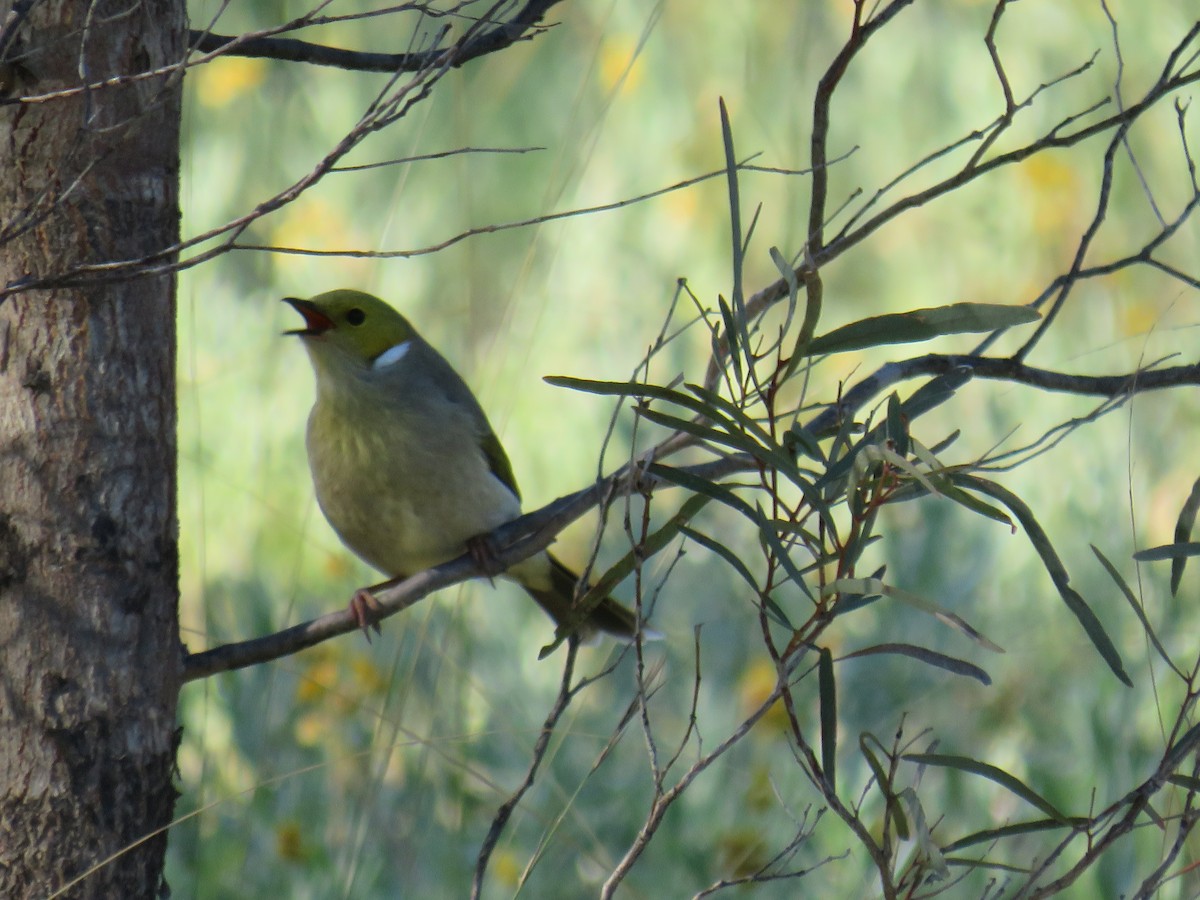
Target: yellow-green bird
406, 467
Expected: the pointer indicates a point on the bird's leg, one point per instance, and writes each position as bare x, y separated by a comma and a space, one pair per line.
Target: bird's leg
482, 550
365, 609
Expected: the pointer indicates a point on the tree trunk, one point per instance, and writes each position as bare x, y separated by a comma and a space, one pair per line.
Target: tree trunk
89, 646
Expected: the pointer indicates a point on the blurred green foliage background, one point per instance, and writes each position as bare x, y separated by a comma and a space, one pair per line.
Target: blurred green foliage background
374, 770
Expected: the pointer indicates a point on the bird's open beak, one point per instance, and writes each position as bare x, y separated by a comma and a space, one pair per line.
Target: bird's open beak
315, 321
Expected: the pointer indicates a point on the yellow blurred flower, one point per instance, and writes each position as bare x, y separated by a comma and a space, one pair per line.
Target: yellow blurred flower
337, 565
743, 852
505, 868
1055, 189
289, 842
755, 685
617, 61
311, 222
367, 676
1138, 316
312, 728
317, 679
219, 83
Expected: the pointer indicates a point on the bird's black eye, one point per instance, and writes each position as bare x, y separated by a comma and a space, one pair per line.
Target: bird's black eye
356, 316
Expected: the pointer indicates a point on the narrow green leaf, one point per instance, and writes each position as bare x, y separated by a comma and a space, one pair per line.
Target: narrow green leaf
718, 492
945, 443
727, 497
992, 773
711, 406
612, 388
722, 551
1183, 748
773, 453
767, 532
951, 491
991, 835
848, 603
936, 391
767, 450
616, 573
897, 426
985, 865
1095, 631
921, 325
735, 203
927, 847
885, 785
1168, 551
733, 414
858, 544
1185, 781
1057, 571
733, 336
773, 609
1137, 608
737, 420
737, 440
788, 274
885, 453
875, 586
828, 692
652, 544
700, 406
812, 311
804, 440
930, 657
1183, 531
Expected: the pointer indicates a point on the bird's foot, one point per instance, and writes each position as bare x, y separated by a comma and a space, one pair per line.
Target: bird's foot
482, 550
366, 612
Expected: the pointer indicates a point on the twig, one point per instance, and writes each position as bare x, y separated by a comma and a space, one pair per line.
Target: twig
565, 693
522, 26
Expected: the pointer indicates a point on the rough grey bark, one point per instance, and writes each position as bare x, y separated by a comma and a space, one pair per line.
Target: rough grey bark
89, 648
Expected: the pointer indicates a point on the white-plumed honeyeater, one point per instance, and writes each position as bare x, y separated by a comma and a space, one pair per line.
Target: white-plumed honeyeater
406, 467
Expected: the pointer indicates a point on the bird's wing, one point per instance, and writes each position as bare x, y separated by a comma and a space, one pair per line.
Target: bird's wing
453, 388
498, 460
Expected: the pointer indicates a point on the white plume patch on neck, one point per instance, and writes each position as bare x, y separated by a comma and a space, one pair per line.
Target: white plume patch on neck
391, 355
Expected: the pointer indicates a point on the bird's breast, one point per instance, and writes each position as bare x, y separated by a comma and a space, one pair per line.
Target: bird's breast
404, 491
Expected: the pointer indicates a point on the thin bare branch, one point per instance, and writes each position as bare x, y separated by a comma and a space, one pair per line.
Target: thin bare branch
524, 25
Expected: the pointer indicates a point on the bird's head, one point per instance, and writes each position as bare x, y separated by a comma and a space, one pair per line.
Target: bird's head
351, 330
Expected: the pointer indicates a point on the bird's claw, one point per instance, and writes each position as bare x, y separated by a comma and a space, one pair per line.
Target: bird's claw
482, 550
366, 612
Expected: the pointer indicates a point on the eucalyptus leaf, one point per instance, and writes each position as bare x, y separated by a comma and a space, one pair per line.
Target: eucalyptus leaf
921, 325
875, 586
925, 655
1168, 551
1054, 567
1137, 608
885, 784
991, 835
992, 773
1183, 531
827, 688
928, 849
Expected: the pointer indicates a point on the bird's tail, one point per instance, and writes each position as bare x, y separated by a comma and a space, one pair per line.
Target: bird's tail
555, 593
